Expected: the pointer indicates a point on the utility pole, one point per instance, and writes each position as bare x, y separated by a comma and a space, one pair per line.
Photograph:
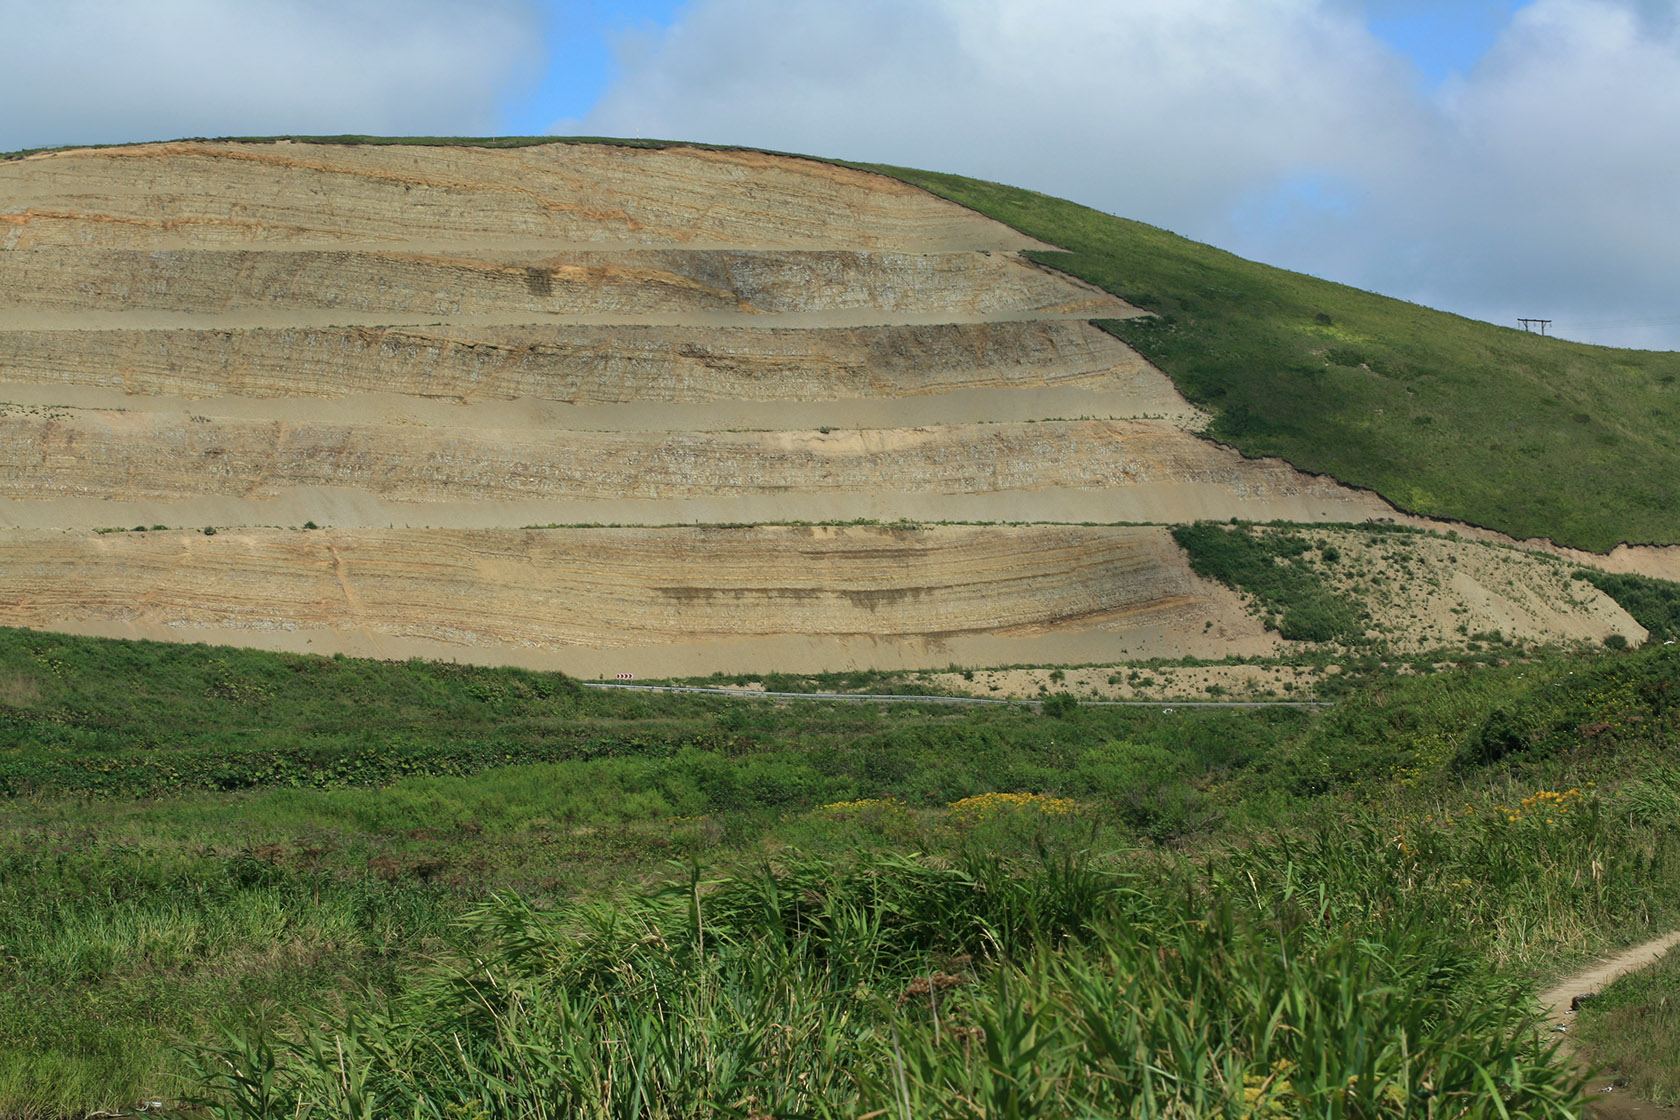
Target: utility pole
1530, 325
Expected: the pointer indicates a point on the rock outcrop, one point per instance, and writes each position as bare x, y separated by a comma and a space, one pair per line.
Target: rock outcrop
426, 349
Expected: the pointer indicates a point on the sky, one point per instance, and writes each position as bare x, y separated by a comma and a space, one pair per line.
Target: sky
1495, 158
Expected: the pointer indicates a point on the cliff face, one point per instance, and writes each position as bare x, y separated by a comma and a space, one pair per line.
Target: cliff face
628, 591
427, 348
220, 195
1114, 470
589, 365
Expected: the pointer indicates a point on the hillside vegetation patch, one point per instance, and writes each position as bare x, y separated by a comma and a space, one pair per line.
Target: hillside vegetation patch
1273, 565
1441, 415
1653, 603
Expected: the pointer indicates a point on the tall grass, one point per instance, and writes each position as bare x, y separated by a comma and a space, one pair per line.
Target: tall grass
1456, 803
897, 986
115, 955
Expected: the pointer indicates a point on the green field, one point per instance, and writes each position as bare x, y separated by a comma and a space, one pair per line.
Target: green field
435, 890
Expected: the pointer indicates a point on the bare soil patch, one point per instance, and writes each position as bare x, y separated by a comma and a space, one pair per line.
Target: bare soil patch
1607, 1102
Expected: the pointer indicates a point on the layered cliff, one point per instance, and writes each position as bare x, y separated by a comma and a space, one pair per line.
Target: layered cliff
429, 349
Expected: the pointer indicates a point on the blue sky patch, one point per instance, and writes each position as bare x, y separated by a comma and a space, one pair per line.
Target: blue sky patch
578, 37
1441, 37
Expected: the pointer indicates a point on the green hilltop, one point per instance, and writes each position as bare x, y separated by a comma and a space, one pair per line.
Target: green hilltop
1443, 416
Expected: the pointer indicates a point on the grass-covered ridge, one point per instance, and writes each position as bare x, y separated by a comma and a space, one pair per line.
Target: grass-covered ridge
1441, 415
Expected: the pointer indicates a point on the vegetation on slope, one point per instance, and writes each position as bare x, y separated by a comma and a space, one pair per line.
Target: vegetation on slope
1441, 415
1272, 567
1653, 603
323, 910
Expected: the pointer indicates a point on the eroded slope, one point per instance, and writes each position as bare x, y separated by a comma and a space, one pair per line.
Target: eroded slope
647, 600
428, 349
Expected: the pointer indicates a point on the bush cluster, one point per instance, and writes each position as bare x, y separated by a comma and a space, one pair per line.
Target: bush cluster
1271, 566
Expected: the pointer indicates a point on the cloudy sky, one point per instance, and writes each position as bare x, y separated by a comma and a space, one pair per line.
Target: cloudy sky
1491, 157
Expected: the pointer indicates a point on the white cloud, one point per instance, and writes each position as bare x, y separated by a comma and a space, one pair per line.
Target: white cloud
86, 71
1552, 177
1541, 182
1096, 98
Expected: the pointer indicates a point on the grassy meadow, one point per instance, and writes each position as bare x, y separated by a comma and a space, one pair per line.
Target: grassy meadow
504, 894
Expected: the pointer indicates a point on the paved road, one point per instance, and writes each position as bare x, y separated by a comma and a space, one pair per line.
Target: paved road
895, 698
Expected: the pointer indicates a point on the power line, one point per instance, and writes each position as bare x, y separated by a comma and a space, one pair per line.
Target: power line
1566, 325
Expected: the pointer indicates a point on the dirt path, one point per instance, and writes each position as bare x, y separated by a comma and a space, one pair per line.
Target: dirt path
1608, 1103
926, 698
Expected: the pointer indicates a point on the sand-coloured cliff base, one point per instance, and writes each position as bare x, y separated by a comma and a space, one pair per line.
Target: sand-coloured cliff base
1428, 592
570, 597
671, 600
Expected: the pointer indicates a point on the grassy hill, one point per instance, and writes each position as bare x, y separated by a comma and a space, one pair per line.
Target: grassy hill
1441, 415
290, 884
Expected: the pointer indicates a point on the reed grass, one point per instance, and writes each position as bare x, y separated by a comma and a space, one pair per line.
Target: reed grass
896, 986
775, 897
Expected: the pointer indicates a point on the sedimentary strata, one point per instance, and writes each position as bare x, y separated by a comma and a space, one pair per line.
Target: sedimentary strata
428, 348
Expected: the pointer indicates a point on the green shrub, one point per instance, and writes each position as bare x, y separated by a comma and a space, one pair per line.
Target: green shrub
1653, 603
1271, 566
1060, 705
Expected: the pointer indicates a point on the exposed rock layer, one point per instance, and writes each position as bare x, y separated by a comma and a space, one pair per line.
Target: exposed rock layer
426, 348
585, 365
126, 456
224, 194
602, 587
527, 287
